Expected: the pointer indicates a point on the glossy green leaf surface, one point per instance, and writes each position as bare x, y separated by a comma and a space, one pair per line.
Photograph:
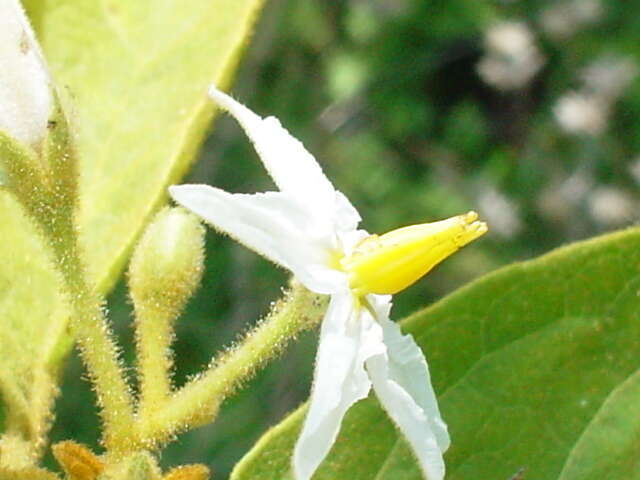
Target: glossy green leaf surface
609, 446
133, 77
535, 366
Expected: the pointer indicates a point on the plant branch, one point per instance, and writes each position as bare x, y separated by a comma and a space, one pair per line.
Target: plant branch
97, 347
199, 400
154, 333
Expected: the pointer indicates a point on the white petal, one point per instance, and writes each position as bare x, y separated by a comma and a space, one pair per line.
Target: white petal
25, 96
347, 339
402, 383
292, 167
273, 225
345, 217
294, 170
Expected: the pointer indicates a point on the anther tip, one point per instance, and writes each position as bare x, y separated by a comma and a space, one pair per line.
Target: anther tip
471, 231
469, 217
480, 227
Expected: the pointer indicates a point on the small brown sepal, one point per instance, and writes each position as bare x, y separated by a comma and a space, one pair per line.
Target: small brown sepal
78, 462
188, 472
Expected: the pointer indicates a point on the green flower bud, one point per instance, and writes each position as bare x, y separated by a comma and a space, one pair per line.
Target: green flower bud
167, 263
164, 272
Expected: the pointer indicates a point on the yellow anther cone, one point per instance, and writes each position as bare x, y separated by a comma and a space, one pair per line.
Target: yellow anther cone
390, 263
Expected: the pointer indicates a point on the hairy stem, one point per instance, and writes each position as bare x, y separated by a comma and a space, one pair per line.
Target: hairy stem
154, 333
96, 343
198, 401
45, 184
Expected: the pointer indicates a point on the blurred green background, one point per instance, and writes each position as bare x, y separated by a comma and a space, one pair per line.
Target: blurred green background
525, 111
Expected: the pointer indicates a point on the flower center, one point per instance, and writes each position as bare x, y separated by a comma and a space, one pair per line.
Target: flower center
390, 263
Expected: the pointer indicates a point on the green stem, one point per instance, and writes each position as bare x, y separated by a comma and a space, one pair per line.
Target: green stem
46, 185
198, 401
27, 418
16, 407
154, 334
43, 393
16, 453
96, 344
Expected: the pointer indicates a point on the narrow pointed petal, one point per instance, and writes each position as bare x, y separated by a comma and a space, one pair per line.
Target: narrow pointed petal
347, 338
273, 225
402, 384
25, 96
345, 217
292, 167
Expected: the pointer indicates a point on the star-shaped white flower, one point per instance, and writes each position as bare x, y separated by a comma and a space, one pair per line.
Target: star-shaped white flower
311, 229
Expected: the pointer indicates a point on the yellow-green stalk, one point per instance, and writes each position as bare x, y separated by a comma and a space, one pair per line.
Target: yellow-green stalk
198, 401
163, 274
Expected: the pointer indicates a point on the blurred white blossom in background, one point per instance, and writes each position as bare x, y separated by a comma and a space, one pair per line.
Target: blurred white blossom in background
500, 212
567, 201
611, 207
560, 200
511, 58
563, 19
609, 75
634, 169
581, 113
604, 81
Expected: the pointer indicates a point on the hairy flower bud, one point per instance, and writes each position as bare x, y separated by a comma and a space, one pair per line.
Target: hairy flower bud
25, 91
167, 263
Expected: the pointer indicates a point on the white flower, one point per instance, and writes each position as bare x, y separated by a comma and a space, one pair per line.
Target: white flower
611, 206
311, 229
581, 113
512, 57
587, 111
562, 19
608, 76
499, 211
25, 96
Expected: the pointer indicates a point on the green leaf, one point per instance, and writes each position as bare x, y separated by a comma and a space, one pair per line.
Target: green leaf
536, 366
133, 77
610, 444
33, 323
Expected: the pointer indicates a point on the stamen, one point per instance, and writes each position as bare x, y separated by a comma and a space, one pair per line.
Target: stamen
390, 263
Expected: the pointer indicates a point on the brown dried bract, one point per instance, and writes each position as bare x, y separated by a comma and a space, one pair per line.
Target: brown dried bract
188, 472
78, 462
